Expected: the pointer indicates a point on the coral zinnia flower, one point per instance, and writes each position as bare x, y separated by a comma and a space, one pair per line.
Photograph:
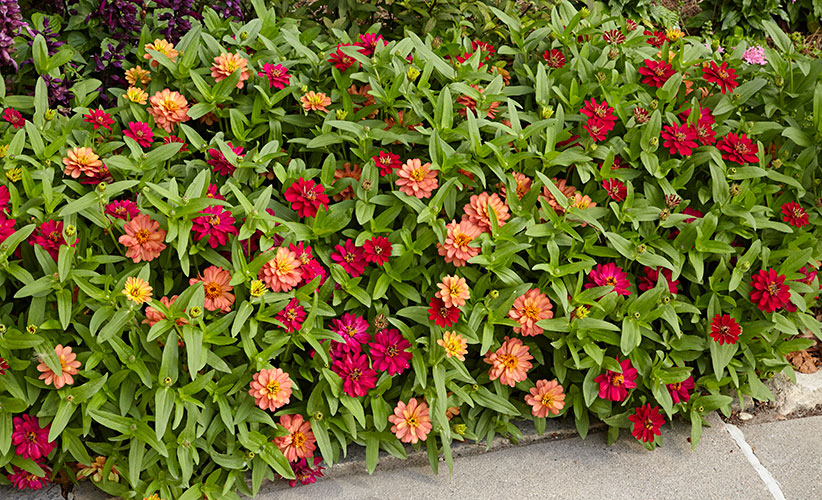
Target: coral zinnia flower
353, 329
68, 364
441, 315
412, 422
271, 389
510, 363
350, 257
300, 441
138, 74
143, 239
546, 398
277, 75
387, 162
723, 76
679, 139
610, 274
163, 47
648, 281
647, 422
95, 471
137, 290
770, 291
469, 102
218, 294
725, 329
22, 479
564, 188
215, 225
220, 163
614, 386
417, 179
306, 197
656, 72
389, 352
14, 117
82, 161
341, 60
523, 184
136, 95
738, 148
477, 210
458, 236
794, 214
292, 316
364, 99
358, 378
153, 315
554, 58
615, 189
454, 291
347, 172
681, 391
377, 250
282, 273
454, 344
140, 132
30, 440
168, 109
98, 118
50, 236
315, 101
529, 308
226, 64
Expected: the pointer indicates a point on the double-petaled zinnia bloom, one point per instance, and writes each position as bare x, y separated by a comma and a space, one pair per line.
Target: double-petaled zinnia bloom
162, 46
529, 308
137, 290
300, 441
82, 161
68, 365
137, 75
647, 422
218, 294
271, 389
510, 363
143, 239
453, 291
477, 210
168, 109
282, 273
614, 386
454, 344
136, 95
417, 179
315, 101
226, 64
546, 398
458, 236
412, 422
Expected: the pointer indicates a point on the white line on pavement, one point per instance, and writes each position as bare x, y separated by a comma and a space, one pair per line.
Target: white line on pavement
764, 474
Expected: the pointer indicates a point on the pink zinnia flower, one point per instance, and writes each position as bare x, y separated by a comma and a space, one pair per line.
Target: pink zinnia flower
529, 308
477, 210
68, 366
24, 480
387, 162
368, 43
647, 422
6, 227
226, 64
218, 161
140, 132
602, 110
143, 239
271, 389
794, 214
292, 316
98, 118
168, 109
353, 329
454, 291
50, 236
411, 422
350, 257
377, 250
510, 363
277, 75
441, 315
546, 398
31, 440
305, 473
679, 139
218, 294
770, 291
283, 272
300, 441
173, 138
122, 209
14, 117
458, 237
215, 225
610, 275
358, 378
388, 350
4, 199
648, 281
417, 179
339, 59
615, 189
306, 197
681, 391
614, 386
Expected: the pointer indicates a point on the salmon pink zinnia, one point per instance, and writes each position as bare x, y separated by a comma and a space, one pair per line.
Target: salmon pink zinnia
226, 64
454, 291
82, 161
412, 422
417, 179
458, 236
68, 365
168, 109
300, 441
478, 210
315, 101
154, 315
282, 273
218, 296
546, 398
143, 239
162, 46
529, 308
510, 363
271, 389
454, 344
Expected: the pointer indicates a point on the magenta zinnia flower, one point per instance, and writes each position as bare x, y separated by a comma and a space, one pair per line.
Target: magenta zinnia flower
357, 376
614, 386
305, 473
215, 225
648, 281
50, 236
794, 214
292, 316
681, 391
277, 75
389, 353
387, 162
24, 480
98, 118
656, 73
6, 227
31, 440
770, 291
368, 43
610, 275
306, 197
738, 148
14, 117
219, 162
140, 132
679, 139
352, 328
123, 209
350, 257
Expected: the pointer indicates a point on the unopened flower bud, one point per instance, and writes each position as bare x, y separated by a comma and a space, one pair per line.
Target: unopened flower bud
494, 294
367, 185
547, 112
715, 44
735, 189
641, 249
746, 265
653, 104
613, 53
258, 288
167, 381
71, 230
672, 200
666, 300
654, 141
592, 146
475, 387
600, 76
341, 114
779, 81
318, 415
244, 35
195, 312
732, 171
637, 315
641, 115
32, 329
776, 163
436, 42
585, 12
49, 114
380, 322
412, 73
460, 429
2, 329
304, 89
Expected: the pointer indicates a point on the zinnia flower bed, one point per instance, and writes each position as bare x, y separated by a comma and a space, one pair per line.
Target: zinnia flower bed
267, 245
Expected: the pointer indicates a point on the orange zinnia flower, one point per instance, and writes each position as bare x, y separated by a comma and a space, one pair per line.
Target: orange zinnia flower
412, 422
315, 101
510, 363
546, 397
168, 109
82, 161
458, 236
271, 389
453, 291
95, 471
477, 210
217, 289
283, 272
143, 239
68, 364
300, 441
137, 290
163, 47
138, 74
454, 344
417, 179
226, 64
529, 308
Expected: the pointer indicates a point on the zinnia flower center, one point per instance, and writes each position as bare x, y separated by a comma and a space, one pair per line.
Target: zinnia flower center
741, 148
417, 174
54, 236
355, 374
725, 329
617, 379
723, 74
681, 136
273, 387
213, 290
170, 105
773, 288
349, 257
444, 312
32, 437
291, 314
298, 438
658, 71
509, 361
214, 220
531, 311
547, 400
310, 195
413, 421
391, 350
282, 267
610, 280
649, 425
142, 236
349, 330
462, 240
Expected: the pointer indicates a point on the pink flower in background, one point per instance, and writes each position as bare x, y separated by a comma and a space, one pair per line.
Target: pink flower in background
478, 210
300, 441
292, 316
755, 55
123, 209
219, 162
648, 281
615, 189
353, 329
31, 440
5, 197
214, 225
458, 236
546, 398
6, 227
609, 275
454, 291
387, 162
24, 480
154, 315
358, 378
98, 118
368, 43
50, 236
226, 64
168, 109
350, 257
305, 473
389, 352
140, 132
14, 117
529, 308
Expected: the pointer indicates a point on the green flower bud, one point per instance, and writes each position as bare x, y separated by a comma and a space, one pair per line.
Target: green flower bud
341, 114
736, 189
244, 35
195, 312
460, 429
493, 294
50, 114
412, 73
585, 12
641, 249
654, 141
547, 112
779, 81
32, 329
600, 76
653, 104
776, 163
318, 415
613, 53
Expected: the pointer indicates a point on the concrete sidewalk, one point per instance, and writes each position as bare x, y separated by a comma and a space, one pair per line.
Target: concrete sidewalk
756, 461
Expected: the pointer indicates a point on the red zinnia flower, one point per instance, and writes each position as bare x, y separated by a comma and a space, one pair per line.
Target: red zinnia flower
679, 139
357, 376
795, 215
441, 315
641, 114
723, 76
219, 162
725, 329
657, 38
738, 148
277, 75
614, 36
389, 352
598, 129
485, 47
614, 386
306, 474
123, 209
292, 316
306, 197
4, 365
6, 227
98, 118
377, 250
22, 479
213, 192
5, 196
601, 111
14, 117
174, 138
609, 275
215, 224
352, 328
340, 60
648, 281
140, 132
656, 72
630, 24
368, 43
466, 56
387, 162
616, 190
647, 422
50, 236
705, 132
554, 58
681, 391
30, 439
350, 257
770, 291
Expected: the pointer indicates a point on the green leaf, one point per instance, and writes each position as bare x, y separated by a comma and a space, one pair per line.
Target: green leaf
64, 412
631, 336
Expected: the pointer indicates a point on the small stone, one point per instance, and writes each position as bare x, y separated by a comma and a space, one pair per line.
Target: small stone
745, 416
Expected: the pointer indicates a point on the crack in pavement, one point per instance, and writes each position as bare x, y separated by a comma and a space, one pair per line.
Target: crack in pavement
764, 474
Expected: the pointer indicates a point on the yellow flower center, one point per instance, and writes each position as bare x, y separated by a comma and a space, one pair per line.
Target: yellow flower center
417, 174
462, 240
509, 361
547, 400
142, 236
272, 388
610, 280
531, 311
413, 421
454, 290
213, 290
299, 439
617, 380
